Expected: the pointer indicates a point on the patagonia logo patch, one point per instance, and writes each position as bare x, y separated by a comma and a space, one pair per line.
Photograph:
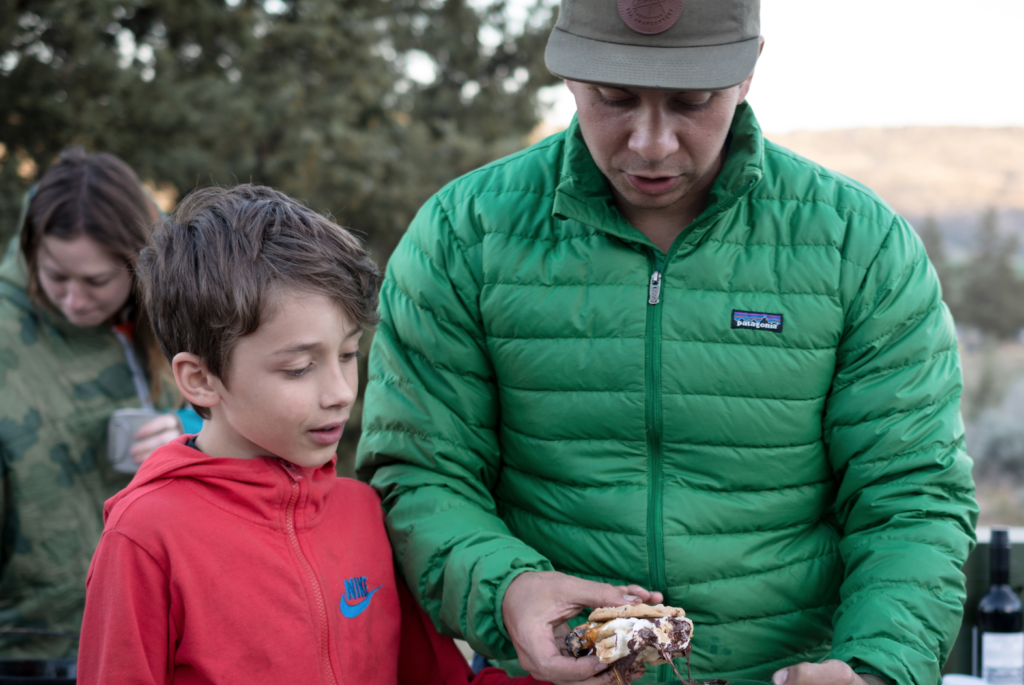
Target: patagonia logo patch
757, 320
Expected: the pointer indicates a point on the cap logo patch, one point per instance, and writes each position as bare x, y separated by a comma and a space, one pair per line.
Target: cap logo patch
650, 16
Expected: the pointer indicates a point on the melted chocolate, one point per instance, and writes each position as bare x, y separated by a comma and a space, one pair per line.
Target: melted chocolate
678, 635
627, 666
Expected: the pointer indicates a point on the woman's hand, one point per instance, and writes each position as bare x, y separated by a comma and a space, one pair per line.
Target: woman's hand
831, 672
537, 606
153, 434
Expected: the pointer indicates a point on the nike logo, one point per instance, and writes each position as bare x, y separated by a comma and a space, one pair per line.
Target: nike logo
355, 588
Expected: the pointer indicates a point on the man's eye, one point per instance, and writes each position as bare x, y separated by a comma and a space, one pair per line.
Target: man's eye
615, 102
614, 96
694, 103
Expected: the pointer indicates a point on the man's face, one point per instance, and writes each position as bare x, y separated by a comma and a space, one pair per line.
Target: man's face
655, 147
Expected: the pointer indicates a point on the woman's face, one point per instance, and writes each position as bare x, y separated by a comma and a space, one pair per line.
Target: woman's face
82, 279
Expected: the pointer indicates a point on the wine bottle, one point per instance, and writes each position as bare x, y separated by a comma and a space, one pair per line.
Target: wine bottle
999, 630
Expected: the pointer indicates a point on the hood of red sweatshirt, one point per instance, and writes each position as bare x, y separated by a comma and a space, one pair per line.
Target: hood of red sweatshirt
255, 489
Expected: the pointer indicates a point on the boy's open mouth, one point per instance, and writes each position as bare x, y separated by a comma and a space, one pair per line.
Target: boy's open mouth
328, 434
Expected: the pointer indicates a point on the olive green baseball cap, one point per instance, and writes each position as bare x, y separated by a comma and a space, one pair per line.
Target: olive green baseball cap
663, 44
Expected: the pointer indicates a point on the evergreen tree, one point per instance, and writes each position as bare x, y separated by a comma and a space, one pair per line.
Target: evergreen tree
309, 96
932, 239
993, 293
313, 97
933, 245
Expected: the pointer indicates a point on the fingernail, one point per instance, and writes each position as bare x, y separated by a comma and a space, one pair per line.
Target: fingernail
630, 599
600, 667
780, 677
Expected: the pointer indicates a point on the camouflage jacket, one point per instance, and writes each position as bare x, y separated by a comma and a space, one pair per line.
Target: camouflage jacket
58, 385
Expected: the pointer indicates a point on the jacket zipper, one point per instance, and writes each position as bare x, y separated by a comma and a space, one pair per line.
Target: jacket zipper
317, 593
654, 427
654, 423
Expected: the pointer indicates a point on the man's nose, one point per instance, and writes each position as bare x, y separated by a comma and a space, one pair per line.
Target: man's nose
654, 139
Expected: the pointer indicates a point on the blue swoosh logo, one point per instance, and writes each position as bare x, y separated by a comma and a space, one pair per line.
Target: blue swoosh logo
353, 610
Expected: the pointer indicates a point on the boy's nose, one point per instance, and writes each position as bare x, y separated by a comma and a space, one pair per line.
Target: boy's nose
340, 391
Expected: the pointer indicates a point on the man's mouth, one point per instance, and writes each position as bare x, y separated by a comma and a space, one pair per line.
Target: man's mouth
656, 185
329, 433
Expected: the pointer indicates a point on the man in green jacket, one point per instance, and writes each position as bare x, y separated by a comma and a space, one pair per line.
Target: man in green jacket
656, 356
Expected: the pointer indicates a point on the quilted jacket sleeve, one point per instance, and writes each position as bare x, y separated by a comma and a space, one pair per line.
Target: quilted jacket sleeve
896, 443
429, 442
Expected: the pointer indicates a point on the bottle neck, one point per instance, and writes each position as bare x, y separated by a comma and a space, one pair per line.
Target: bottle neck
1000, 565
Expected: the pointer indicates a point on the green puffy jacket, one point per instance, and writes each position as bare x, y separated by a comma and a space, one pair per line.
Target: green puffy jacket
58, 385
798, 484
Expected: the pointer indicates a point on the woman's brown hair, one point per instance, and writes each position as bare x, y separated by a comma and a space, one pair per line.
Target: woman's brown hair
100, 197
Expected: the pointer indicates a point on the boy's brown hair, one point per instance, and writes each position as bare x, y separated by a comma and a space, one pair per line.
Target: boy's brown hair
207, 274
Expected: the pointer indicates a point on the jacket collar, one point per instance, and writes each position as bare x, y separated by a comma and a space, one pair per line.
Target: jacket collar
258, 490
583, 194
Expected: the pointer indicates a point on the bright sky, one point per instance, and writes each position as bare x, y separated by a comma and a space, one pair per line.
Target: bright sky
829, 64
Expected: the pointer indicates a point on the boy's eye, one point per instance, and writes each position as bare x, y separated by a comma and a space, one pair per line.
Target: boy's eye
349, 356
295, 373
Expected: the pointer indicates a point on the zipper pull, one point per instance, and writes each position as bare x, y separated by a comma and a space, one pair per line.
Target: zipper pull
293, 472
655, 288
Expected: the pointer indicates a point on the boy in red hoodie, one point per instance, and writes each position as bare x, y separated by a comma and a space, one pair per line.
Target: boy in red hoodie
237, 555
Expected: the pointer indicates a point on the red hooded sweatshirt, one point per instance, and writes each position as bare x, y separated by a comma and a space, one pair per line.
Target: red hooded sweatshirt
216, 570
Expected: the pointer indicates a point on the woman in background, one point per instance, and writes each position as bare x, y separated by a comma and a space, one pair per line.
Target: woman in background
74, 347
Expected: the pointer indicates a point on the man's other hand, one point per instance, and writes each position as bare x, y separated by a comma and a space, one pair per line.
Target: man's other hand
536, 608
830, 672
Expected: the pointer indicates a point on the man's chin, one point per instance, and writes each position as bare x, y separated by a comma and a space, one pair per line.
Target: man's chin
642, 198
648, 202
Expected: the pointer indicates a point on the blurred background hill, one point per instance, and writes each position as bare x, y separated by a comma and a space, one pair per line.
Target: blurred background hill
949, 174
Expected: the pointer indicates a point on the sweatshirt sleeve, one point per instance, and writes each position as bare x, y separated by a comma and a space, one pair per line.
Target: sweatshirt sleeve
427, 658
896, 444
127, 629
429, 442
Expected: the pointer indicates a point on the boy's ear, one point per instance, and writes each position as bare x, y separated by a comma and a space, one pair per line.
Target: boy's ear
195, 380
